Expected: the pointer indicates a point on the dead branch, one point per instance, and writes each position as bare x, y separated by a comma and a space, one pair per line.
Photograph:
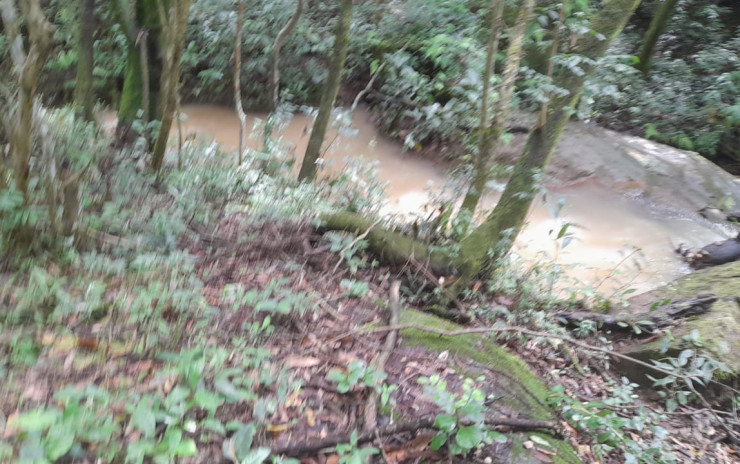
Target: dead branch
313, 445
371, 406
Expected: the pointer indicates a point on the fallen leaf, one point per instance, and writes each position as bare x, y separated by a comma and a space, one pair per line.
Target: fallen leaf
310, 417
542, 457
295, 362
10, 428
277, 428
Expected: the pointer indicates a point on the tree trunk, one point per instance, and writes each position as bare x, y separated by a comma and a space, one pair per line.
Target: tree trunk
84, 96
28, 66
502, 226
341, 44
144, 27
275, 82
238, 81
488, 136
174, 23
656, 28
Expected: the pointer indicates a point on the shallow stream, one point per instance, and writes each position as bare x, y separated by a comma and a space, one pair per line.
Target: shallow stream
610, 224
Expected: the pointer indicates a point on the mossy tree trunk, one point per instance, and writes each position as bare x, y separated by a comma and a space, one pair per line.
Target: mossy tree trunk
174, 22
140, 83
84, 96
502, 226
489, 135
341, 44
656, 28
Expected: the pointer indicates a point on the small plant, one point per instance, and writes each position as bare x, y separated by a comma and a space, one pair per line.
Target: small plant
690, 367
461, 424
350, 453
615, 424
355, 288
357, 373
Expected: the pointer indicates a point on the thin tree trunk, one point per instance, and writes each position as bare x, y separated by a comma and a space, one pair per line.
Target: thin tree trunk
28, 67
341, 44
502, 226
279, 40
490, 135
146, 105
84, 96
238, 80
551, 59
656, 28
174, 23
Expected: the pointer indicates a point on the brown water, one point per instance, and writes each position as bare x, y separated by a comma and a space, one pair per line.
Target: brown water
611, 224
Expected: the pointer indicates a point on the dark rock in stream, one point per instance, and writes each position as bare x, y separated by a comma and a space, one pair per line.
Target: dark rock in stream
713, 254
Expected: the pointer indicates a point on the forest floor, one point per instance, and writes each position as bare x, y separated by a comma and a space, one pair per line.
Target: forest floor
305, 332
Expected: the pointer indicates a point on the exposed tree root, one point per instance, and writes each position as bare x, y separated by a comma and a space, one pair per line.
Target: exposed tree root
305, 447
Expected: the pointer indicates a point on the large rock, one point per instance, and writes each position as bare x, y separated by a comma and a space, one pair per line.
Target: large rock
658, 173
719, 328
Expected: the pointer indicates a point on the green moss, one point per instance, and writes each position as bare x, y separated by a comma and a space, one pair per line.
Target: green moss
528, 394
719, 329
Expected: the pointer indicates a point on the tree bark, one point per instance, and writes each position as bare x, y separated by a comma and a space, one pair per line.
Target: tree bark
656, 28
145, 26
279, 40
27, 66
490, 135
174, 23
502, 226
238, 81
341, 44
84, 96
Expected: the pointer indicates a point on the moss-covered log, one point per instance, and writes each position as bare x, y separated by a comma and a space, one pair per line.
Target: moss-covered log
389, 247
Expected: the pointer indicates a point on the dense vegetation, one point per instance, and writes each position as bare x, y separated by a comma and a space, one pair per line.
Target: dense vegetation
175, 303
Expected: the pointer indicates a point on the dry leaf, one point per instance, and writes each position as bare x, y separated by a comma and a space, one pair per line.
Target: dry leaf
295, 362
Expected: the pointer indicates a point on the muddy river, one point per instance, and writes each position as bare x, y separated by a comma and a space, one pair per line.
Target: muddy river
611, 225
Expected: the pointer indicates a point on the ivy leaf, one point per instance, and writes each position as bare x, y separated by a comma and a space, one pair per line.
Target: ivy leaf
186, 448
438, 441
445, 423
469, 437
58, 441
144, 420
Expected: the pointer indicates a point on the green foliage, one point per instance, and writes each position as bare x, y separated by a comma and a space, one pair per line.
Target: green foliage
48, 434
615, 424
350, 453
357, 374
461, 424
689, 98
691, 369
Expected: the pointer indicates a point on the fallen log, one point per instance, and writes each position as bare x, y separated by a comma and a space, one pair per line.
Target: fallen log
661, 316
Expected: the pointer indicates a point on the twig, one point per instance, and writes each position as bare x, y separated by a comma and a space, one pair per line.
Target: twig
316, 444
371, 406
